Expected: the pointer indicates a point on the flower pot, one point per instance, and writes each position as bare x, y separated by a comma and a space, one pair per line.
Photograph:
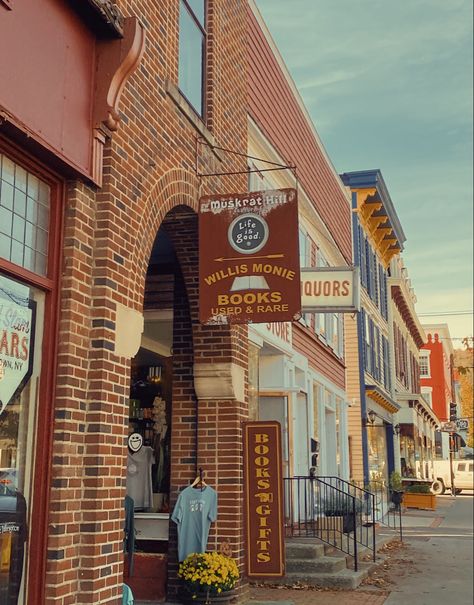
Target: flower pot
396, 497
188, 597
348, 525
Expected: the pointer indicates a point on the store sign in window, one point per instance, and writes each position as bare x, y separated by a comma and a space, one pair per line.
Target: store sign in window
17, 314
18, 384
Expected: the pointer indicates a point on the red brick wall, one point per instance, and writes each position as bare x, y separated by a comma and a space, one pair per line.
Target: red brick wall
440, 377
109, 234
274, 107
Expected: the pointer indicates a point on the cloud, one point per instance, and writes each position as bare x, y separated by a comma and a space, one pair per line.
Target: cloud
389, 85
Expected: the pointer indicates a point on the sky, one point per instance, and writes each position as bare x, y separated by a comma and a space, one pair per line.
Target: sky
389, 85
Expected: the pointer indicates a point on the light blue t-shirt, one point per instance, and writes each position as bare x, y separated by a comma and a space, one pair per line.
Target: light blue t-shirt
193, 513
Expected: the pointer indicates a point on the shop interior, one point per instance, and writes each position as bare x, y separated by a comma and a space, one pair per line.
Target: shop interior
148, 463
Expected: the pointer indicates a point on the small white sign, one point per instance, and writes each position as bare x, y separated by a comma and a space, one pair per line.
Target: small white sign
462, 424
330, 290
16, 338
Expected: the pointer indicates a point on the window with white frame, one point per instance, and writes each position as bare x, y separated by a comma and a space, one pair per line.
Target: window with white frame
320, 326
192, 52
427, 393
425, 365
305, 261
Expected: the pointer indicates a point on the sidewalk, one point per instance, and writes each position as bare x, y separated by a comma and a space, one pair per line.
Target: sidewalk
412, 518
288, 596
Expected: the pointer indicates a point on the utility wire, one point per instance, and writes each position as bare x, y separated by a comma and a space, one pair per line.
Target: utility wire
444, 313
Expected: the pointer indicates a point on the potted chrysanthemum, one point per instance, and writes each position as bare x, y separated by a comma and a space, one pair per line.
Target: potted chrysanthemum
207, 578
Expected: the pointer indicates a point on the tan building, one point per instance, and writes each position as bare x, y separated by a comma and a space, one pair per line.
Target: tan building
378, 238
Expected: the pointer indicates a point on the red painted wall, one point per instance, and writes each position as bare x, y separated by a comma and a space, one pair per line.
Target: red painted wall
275, 109
440, 380
50, 80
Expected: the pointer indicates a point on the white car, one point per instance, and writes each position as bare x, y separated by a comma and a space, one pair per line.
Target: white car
463, 476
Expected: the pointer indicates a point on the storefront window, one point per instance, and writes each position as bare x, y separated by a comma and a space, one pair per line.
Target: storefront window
21, 329
407, 455
378, 460
24, 217
317, 396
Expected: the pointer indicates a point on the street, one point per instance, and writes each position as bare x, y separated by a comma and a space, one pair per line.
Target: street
442, 551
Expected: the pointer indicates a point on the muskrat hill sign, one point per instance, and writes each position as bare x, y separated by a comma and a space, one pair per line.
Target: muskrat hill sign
249, 257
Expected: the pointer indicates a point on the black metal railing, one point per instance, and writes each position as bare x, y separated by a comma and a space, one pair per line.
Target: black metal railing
334, 511
388, 505
365, 531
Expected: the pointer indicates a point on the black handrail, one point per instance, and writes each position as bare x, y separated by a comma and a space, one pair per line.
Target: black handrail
389, 509
367, 498
342, 517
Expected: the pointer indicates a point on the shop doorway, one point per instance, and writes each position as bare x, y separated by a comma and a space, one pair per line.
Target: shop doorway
162, 406
275, 407
330, 443
301, 455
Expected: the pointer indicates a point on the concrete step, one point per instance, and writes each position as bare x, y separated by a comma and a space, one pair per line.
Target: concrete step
318, 565
304, 550
345, 578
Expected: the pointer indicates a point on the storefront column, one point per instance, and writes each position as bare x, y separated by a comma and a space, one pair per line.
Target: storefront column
390, 449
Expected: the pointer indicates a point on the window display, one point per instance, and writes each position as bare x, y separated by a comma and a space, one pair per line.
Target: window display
21, 313
148, 466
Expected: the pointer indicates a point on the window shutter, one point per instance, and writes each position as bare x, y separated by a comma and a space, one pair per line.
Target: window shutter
372, 347
362, 336
363, 268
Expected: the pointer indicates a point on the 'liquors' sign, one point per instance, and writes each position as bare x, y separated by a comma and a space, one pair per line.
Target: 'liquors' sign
17, 314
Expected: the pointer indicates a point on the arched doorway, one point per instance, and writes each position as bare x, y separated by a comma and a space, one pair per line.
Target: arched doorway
199, 372
163, 405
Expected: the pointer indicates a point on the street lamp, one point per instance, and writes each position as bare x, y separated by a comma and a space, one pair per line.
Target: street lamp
371, 416
397, 429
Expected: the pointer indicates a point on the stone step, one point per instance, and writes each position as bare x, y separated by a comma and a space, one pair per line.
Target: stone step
345, 578
321, 564
304, 550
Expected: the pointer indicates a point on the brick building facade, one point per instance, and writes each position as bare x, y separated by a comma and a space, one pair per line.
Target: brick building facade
118, 148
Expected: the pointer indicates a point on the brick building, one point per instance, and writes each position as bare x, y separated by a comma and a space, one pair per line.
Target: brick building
437, 377
100, 139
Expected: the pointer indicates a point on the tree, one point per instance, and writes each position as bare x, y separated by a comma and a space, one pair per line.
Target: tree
464, 361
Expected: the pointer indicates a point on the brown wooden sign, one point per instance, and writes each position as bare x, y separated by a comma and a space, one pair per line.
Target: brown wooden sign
264, 499
249, 257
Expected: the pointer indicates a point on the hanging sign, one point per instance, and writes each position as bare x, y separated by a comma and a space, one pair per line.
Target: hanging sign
17, 315
249, 257
448, 427
263, 500
330, 290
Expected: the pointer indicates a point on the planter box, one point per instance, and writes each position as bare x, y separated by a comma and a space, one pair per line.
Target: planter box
330, 529
423, 501
148, 582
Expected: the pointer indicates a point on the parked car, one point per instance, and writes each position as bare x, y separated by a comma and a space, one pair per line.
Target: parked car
463, 476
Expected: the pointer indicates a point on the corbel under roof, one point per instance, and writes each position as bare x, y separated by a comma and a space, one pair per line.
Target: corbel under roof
376, 212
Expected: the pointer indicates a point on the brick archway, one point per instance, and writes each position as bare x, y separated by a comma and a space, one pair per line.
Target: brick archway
206, 426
